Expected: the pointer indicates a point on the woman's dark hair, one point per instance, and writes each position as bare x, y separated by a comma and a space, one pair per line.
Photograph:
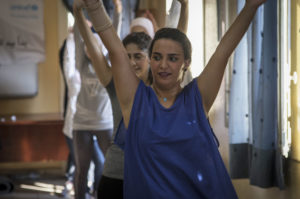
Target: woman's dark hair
175, 35
143, 41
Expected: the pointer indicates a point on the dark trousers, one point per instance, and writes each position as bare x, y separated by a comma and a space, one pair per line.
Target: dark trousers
110, 188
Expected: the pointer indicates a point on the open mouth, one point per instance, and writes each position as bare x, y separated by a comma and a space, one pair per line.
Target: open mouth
164, 74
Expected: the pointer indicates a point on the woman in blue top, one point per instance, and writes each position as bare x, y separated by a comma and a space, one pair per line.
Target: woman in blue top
170, 151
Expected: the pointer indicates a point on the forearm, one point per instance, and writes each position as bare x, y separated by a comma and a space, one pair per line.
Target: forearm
117, 22
103, 26
184, 15
94, 48
216, 66
124, 77
86, 33
117, 17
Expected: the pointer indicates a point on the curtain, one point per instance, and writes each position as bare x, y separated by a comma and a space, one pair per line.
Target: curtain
254, 145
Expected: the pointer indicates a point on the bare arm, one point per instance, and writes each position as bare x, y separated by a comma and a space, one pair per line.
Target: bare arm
124, 77
98, 60
117, 18
184, 16
210, 79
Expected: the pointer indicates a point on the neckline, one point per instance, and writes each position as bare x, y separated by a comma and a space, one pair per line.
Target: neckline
177, 98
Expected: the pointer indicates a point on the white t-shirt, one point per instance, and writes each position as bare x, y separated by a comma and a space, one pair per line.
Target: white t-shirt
93, 108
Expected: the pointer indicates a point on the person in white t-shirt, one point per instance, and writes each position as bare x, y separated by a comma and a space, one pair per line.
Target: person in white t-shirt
92, 120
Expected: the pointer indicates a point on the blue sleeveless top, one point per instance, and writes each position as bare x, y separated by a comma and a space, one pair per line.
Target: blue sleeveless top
172, 152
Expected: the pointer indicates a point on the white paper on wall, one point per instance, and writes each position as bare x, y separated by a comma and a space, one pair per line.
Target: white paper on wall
18, 81
21, 32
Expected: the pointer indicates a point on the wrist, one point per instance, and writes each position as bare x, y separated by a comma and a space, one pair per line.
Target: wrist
98, 15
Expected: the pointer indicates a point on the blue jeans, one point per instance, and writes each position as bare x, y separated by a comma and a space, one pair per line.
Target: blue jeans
87, 149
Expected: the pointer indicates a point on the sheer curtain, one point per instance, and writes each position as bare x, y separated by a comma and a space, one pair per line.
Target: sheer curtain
254, 144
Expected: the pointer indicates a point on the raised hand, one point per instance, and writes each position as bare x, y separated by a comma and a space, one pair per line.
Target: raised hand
150, 16
216, 66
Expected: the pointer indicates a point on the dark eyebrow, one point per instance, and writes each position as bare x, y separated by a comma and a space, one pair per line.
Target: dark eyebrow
173, 54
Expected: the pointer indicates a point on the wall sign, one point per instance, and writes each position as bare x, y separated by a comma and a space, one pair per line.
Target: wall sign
21, 32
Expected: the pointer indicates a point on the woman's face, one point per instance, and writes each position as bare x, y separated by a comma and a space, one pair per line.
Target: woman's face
167, 63
139, 61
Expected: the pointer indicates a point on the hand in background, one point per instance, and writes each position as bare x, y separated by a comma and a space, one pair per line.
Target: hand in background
150, 16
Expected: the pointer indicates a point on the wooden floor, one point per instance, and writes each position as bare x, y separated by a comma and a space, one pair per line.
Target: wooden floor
36, 186
35, 180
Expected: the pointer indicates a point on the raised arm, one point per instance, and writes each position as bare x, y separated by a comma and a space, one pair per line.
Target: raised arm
124, 77
210, 79
150, 16
184, 16
117, 18
94, 49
